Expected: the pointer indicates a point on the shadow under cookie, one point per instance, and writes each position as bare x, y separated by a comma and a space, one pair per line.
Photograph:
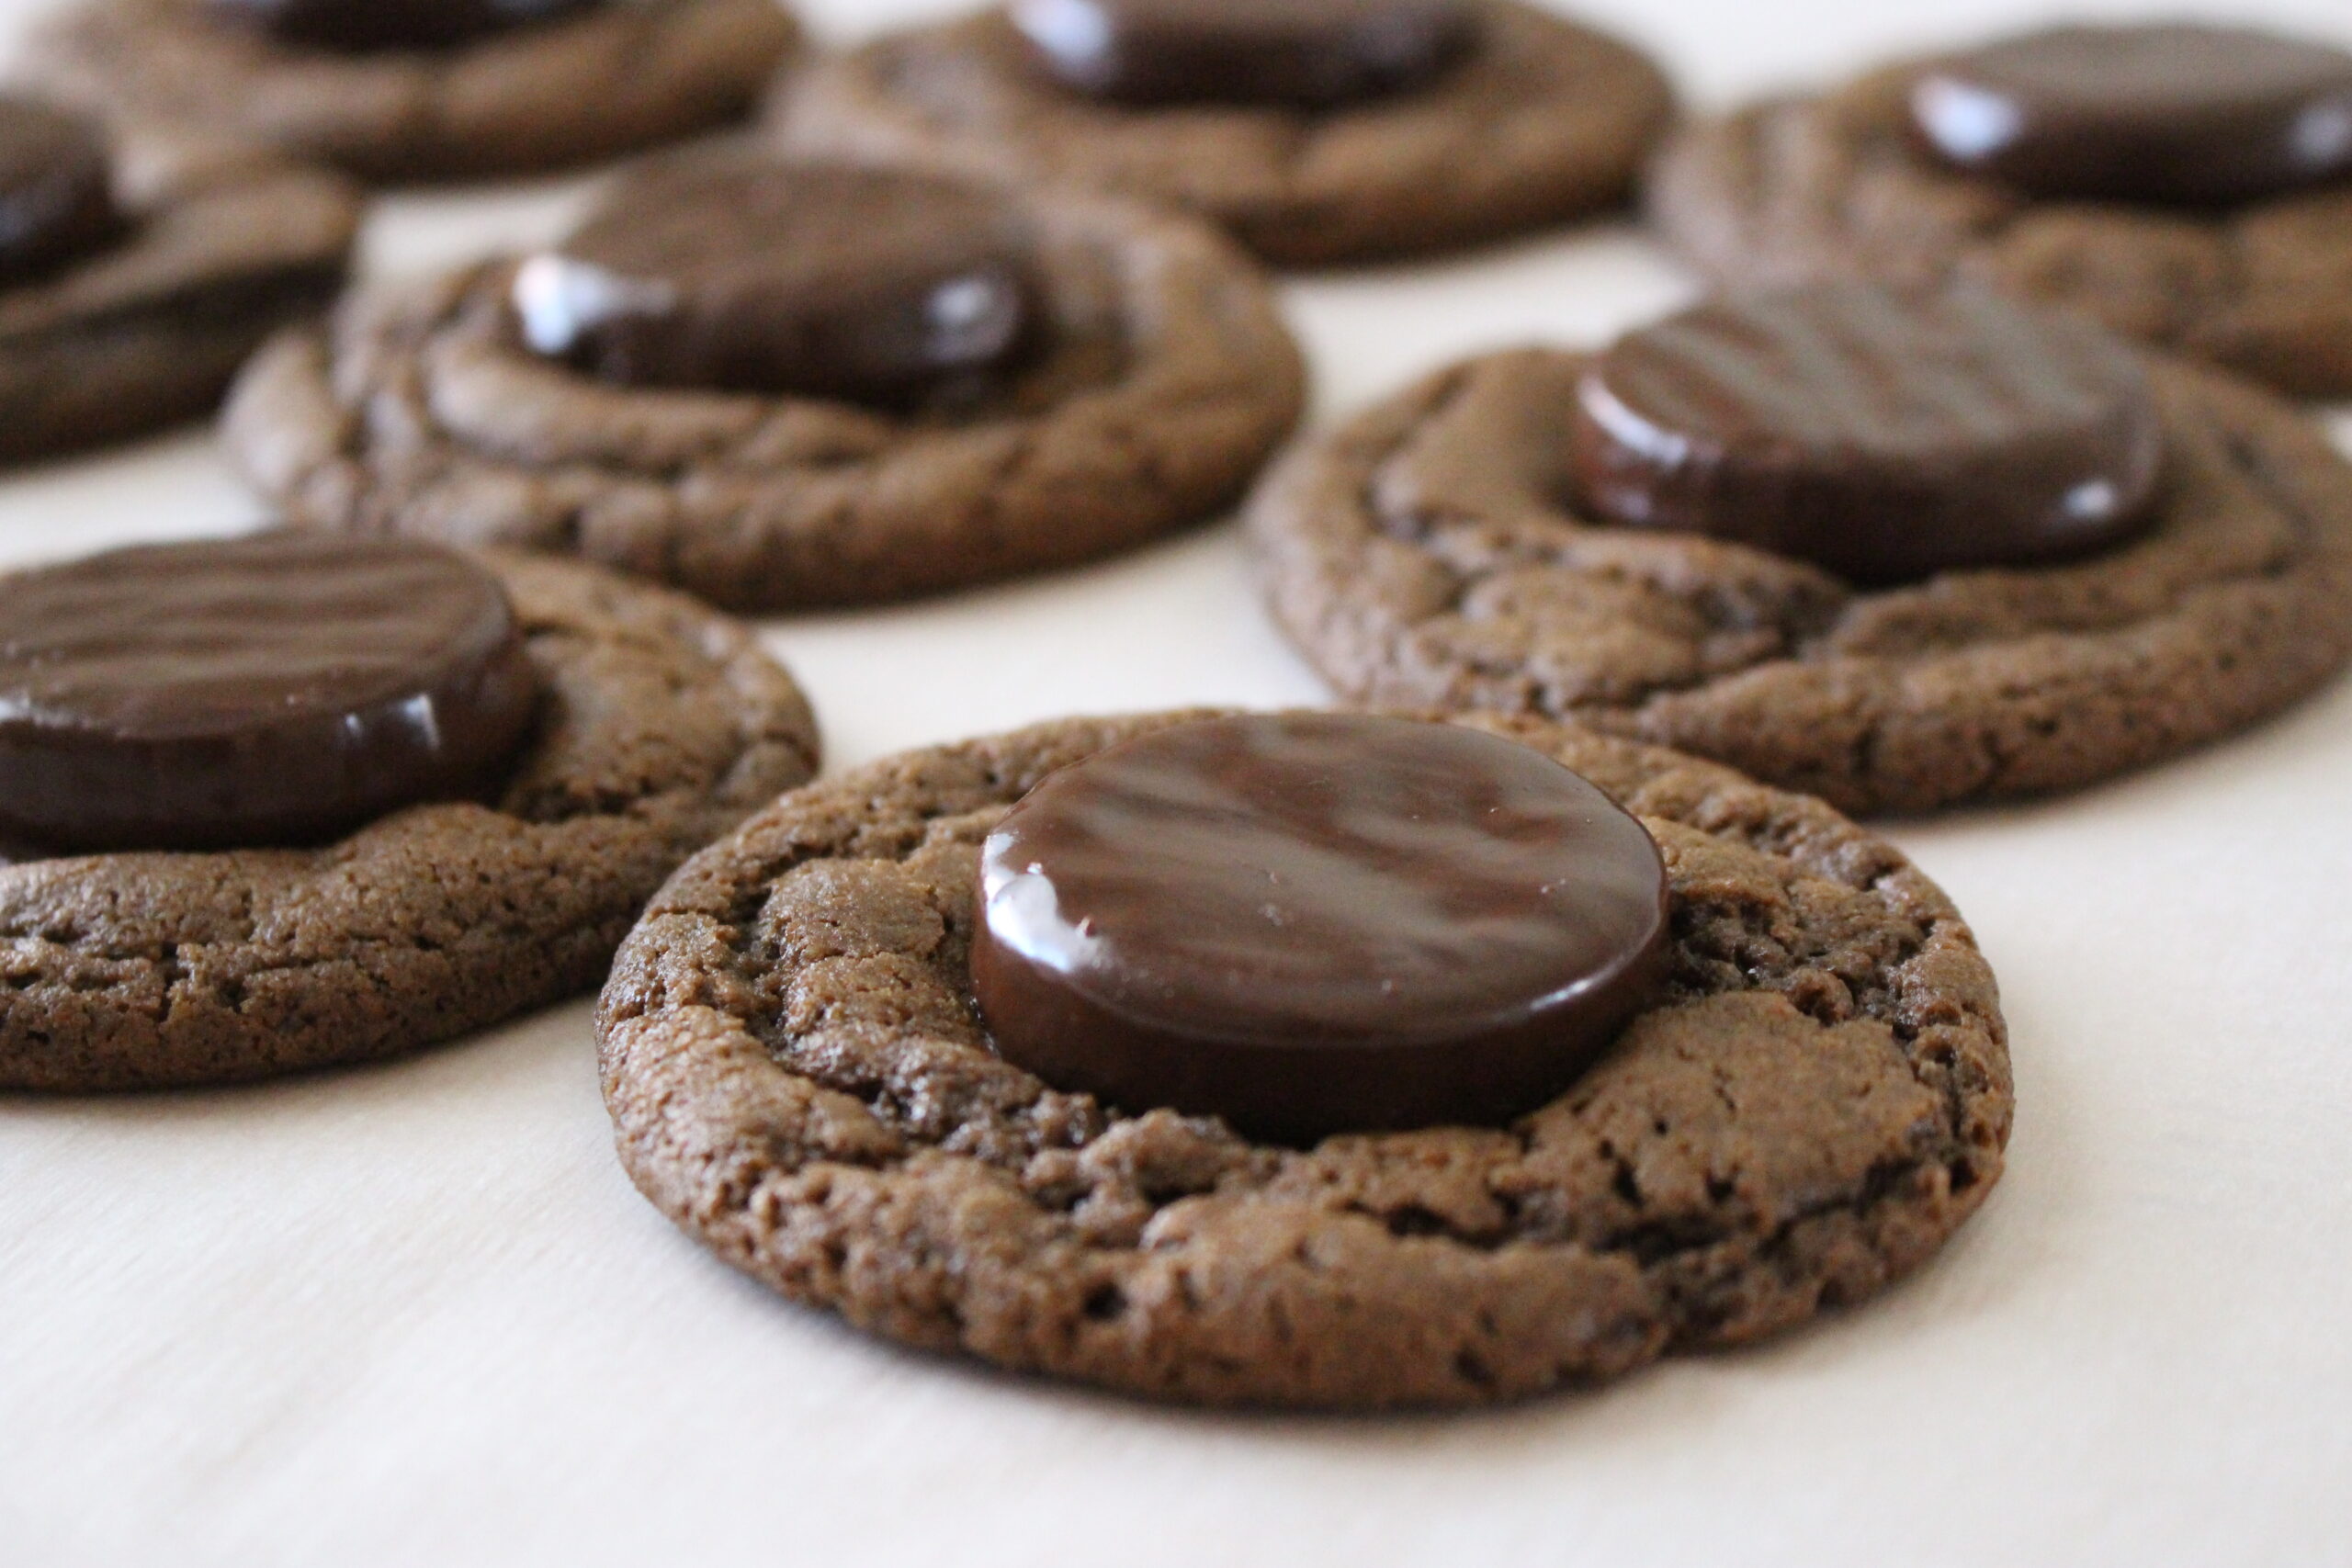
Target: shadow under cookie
660, 727
572, 90
1160, 380
800, 1077
1542, 122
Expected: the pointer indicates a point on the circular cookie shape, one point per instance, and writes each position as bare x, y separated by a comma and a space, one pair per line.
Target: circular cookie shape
139, 319
579, 87
660, 726
1427, 552
279, 689
1851, 184
1310, 923
799, 1078
1162, 380
1538, 121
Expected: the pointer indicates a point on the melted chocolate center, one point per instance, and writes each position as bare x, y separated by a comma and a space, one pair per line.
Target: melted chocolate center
361, 27
2179, 114
56, 190
1885, 437
807, 280
1310, 55
279, 690
1317, 924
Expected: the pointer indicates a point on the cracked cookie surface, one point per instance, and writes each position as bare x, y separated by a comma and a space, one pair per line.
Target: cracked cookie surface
1426, 553
1545, 121
548, 96
1798, 190
661, 726
799, 1078
224, 247
1167, 380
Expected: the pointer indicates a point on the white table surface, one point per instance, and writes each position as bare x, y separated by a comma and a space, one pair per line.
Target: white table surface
415, 1314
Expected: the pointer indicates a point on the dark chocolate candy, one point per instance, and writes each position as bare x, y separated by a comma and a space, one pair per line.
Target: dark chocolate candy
1317, 924
56, 189
358, 27
2176, 113
813, 280
1884, 435
278, 690
1302, 53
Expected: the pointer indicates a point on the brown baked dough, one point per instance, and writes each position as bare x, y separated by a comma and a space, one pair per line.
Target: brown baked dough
1836, 186
1546, 121
224, 247
1426, 553
664, 725
548, 96
799, 1079
1168, 381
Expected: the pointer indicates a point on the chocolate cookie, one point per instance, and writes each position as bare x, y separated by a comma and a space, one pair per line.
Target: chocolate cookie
800, 1078
1423, 128
655, 727
1437, 549
424, 89
1072, 376
2188, 186
137, 270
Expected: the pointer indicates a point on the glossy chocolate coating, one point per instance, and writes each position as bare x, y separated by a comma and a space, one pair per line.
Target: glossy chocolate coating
361, 27
56, 189
1311, 54
279, 690
1317, 924
811, 280
1885, 436
2182, 114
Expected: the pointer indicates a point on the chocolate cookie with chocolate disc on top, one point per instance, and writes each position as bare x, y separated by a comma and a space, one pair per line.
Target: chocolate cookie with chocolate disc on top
424, 89
1317, 131
1900, 550
786, 384
295, 800
139, 270
1340, 1061
2190, 186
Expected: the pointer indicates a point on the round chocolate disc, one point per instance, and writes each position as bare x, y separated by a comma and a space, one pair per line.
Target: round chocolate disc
1883, 435
278, 690
356, 27
812, 280
56, 189
1318, 923
2179, 113
1302, 53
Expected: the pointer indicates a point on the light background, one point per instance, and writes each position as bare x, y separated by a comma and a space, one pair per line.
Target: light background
416, 1314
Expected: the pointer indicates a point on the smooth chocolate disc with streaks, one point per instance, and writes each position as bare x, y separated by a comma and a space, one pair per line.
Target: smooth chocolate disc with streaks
56, 189
2178, 113
815, 280
1313, 923
1884, 435
278, 690
1313, 54
362, 27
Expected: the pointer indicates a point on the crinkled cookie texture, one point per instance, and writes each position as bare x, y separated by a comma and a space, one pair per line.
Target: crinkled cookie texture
542, 97
1168, 381
664, 725
800, 1080
1835, 186
1427, 553
224, 248
1546, 121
